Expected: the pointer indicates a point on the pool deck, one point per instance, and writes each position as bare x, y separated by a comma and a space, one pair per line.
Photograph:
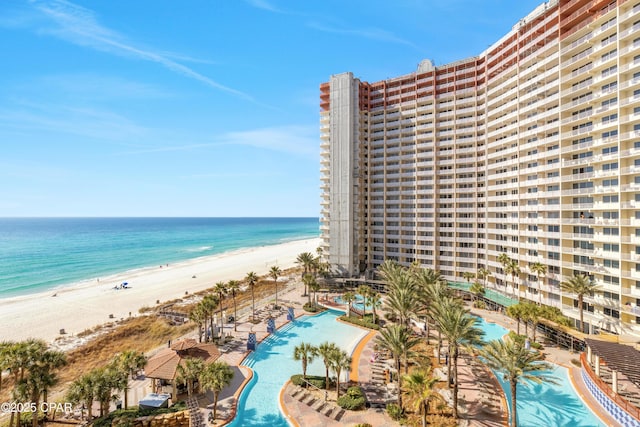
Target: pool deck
558, 356
482, 401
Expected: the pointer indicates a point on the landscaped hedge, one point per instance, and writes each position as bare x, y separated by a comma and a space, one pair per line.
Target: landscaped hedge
353, 400
365, 323
314, 380
313, 308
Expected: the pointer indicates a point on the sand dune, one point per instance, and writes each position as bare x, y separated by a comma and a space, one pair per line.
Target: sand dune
85, 305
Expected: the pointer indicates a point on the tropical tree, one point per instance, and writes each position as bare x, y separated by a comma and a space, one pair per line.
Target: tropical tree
516, 311
375, 299
419, 388
483, 274
349, 298
210, 304
397, 340
82, 391
199, 316
431, 288
5, 351
252, 279
365, 291
402, 304
233, 286
129, 362
305, 353
467, 275
107, 382
221, 289
476, 290
516, 364
314, 286
308, 279
533, 314
41, 377
339, 360
306, 260
188, 372
215, 377
540, 270
389, 269
460, 329
580, 285
275, 272
325, 351
512, 268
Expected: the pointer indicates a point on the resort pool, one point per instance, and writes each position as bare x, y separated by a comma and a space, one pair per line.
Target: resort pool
357, 304
272, 363
545, 404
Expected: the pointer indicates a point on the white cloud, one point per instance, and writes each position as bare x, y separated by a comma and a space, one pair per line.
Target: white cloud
78, 25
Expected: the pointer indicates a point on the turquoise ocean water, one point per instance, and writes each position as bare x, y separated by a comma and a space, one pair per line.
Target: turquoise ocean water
38, 254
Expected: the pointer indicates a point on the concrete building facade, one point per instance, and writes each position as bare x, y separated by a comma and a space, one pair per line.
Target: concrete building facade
530, 149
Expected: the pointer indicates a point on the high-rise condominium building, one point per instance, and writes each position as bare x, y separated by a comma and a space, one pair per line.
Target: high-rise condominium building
530, 149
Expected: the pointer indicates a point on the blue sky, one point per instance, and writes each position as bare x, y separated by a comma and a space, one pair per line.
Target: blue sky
199, 107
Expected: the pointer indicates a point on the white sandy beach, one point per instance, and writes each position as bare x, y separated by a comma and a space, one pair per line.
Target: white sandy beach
85, 305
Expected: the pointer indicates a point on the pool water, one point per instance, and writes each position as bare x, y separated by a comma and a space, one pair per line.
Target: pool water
273, 364
544, 404
358, 303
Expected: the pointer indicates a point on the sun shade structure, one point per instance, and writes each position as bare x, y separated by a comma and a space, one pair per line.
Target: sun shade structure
619, 357
164, 365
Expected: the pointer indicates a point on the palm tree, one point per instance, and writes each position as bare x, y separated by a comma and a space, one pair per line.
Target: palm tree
339, 360
188, 371
516, 311
82, 390
516, 364
209, 305
308, 279
397, 340
221, 289
483, 274
198, 315
504, 260
349, 298
315, 287
325, 351
275, 272
513, 269
389, 269
468, 276
540, 270
5, 351
420, 391
476, 290
305, 353
533, 313
215, 377
402, 302
375, 299
459, 327
41, 378
129, 362
233, 286
106, 381
306, 260
431, 288
252, 279
365, 291
580, 285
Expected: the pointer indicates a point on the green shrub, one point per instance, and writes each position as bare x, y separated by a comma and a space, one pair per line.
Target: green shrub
313, 308
352, 400
365, 323
363, 425
480, 304
395, 412
314, 380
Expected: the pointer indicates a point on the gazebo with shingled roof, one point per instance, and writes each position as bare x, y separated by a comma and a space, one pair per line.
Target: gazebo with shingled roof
164, 365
